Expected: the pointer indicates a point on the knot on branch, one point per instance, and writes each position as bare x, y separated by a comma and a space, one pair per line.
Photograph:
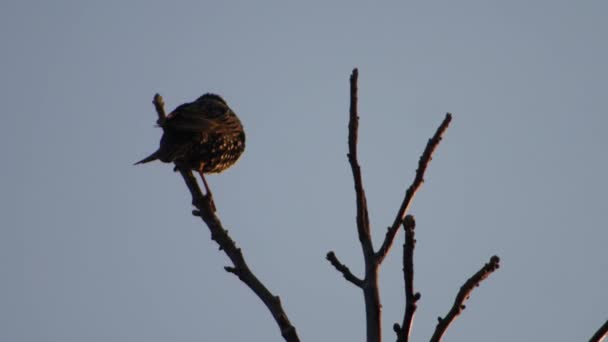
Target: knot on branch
464, 294
409, 222
494, 263
231, 269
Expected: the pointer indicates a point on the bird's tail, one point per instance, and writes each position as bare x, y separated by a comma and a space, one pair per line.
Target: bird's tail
149, 158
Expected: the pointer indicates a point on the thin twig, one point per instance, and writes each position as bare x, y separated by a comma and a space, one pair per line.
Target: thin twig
206, 211
600, 334
411, 298
463, 295
348, 275
425, 158
353, 134
159, 104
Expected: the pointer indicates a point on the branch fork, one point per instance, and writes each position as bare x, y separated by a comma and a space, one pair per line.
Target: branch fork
373, 259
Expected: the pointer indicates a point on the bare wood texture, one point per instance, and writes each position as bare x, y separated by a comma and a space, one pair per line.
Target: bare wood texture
206, 211
371, 293
348, 275
423, 163
353, 135
411, 298
463, 295
372, 259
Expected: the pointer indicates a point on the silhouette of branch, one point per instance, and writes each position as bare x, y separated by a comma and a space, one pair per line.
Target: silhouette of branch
600, 334
369, 285
159, 104
331, 256
205, 209
371, 293
411, 298
463, 295
425, 158
353, 134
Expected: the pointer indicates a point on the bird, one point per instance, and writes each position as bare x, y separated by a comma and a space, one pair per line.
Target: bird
204, 135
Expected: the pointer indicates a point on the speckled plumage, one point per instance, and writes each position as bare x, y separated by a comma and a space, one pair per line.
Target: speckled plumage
205, 134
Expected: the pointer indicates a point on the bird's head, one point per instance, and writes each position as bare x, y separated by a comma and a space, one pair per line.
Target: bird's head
211, 97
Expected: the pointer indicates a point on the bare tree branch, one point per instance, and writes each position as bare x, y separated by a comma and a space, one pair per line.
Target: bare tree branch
371, 293
411, 298
425, 158
353, 133
463, 295
348, 275
369, 285
373, 260
600, 334
206, 211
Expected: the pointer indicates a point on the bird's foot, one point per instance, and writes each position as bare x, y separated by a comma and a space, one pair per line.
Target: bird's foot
209, 198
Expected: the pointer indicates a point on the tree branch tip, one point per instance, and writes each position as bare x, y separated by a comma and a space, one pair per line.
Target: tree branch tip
159, 105
396, 328
344, 270
493, 264
196, 213
230, 269
409, 222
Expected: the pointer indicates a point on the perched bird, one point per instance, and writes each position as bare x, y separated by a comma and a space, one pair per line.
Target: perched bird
205, 135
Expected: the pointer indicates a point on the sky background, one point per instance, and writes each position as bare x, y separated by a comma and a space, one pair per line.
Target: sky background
93, 248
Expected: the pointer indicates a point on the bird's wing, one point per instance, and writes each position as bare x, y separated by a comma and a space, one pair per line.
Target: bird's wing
211, 116
192, 118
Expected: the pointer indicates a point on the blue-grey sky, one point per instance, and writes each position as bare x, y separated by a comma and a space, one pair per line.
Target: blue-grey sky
95, 249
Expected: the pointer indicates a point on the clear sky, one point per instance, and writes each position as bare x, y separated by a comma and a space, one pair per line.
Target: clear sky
95, 249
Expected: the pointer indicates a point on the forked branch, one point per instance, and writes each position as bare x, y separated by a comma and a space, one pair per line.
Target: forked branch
371, 293
373, 260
